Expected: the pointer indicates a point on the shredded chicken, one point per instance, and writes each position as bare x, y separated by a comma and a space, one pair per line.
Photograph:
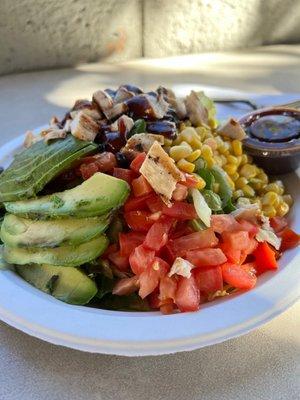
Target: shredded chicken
84, 127
124, 124
143, 142
177, 104
232, 129
55, 134
123, 94
196, 111
30, 139
103, 101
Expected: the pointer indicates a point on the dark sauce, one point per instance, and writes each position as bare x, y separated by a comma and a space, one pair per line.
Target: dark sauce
165, 128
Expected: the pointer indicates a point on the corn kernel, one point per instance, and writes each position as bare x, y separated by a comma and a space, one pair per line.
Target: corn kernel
185, 166
287, 198
206, 151
231, 183
194, 155
263, 177
200, 182
208, 134
239, 160
230, 168
167, 142
241, 182
237, 193
218, 160
270, 198
182, 126
269, 211
282, 209
180, 151
248, 171
274, 187
224, 148
235, 176
224, 159
237, 147
210, 162
248, 191
244, 159
243, 201
211, 143
255, 183
189, 135
232, 160
257, 201
201, 132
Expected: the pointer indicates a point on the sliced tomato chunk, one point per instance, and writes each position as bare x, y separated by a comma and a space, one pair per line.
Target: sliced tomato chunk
187, 294
190, 181
137, 162
167, 288
141, 187
121, 262
140, 221
289, 238
157, 235
129, 241
154, 203
180, 210
206, 257
196, 240
124, 174
153, 299
248, 227
150, 277
181, 229
223, 222
167, 252
238, 277
233, 255
265, 258
126, 286
237, 240
278, 223
209, 279
180, 193
140, 259
136, 203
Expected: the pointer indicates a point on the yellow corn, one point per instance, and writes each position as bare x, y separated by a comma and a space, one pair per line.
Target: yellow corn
235, 176
200, 182
231, 183
232, 159
190, 136
167, 142
248, 191
269, 211
243, 201
237, 193
206, 151
194, 155
274, 187
224, 159
237, 147
282, 209
270, 198
263, 177
248, 171
244, 159
211, 143
230, 168
210, 162
255, 183
224, 148
241, 182
287, 198
182, 126
185, 166
201, 131
180, 151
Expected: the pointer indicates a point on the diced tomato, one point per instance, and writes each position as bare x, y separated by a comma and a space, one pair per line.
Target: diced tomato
238, 240
223, 222
102, 162
149, 278
187, 294
154, 203
129, 241
141, 187
289, 238
209, 279
250, 267
88, 170
167, 307
233, 255
136, 203
167, 288
278, 223
265, 258
112, 248
124, 174
190, 181
167, 252
153, 299
157, 235
196, 240
120, 261
139, 220
126, 286
137, 162
206, 257
180, 210
180, 193
238, 277
248, 227
140, 259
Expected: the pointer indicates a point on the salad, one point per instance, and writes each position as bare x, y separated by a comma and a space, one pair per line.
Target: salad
141, 201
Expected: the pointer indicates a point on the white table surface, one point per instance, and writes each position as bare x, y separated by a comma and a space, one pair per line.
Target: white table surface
264, 364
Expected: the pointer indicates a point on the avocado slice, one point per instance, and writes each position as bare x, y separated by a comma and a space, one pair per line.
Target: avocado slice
21, 232
34, 167
98, 195
67, 284
68, 256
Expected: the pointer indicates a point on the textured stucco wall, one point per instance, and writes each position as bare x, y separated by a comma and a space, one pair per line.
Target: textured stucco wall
46, 33
174, 27
38, 34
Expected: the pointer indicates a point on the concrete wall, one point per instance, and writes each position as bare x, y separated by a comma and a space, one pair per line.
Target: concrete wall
38, 34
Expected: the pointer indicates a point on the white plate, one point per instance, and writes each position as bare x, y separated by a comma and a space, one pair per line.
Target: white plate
137, 334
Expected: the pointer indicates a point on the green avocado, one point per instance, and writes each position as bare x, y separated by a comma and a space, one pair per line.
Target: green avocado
21, 232
68, 256
67, 284
98, 195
